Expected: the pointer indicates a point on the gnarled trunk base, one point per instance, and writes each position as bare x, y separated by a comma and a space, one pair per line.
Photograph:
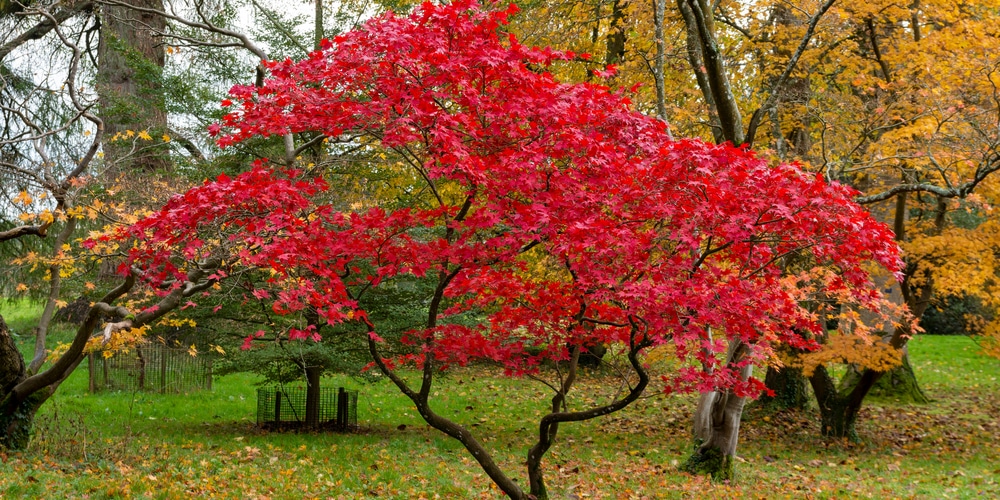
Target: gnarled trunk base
717, 425
837, 420
711, 461
838, 410
899, 384
17, 420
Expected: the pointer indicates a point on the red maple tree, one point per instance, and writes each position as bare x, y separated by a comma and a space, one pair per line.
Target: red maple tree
650, 241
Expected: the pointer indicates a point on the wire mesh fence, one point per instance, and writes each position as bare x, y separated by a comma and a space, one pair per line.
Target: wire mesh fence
153, 368
291, 407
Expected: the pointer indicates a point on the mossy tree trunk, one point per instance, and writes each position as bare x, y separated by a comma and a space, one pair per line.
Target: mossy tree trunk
717, 426
14, 430
837, 414
899, 384
22, 395
131, 57
789, 386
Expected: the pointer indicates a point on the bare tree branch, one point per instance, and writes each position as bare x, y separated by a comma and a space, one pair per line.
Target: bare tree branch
42, 28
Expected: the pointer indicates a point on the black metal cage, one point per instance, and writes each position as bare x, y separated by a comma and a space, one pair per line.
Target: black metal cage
155, 368
291, 407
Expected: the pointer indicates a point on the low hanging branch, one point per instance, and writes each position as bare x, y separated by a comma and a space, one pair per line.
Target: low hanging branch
196, 282
988, 167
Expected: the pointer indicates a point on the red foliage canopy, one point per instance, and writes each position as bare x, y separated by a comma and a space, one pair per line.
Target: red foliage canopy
676, 242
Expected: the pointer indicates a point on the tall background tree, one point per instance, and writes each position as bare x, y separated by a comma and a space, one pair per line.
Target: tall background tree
88, 143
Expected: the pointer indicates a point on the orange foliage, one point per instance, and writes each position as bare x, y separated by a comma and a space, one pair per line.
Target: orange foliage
850, 349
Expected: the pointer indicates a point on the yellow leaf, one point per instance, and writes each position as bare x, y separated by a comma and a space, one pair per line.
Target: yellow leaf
60, 303
23, 198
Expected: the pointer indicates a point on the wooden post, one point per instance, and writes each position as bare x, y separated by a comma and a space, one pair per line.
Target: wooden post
163, 370
91, 373
342, 402
104, 369
142, 368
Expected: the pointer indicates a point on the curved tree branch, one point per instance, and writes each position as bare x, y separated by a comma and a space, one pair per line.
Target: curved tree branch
990, 166
43, 27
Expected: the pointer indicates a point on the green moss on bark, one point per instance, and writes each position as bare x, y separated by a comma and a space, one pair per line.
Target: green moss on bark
711, 462
16, 422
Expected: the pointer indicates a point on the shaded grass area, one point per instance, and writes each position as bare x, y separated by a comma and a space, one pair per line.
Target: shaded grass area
205, 444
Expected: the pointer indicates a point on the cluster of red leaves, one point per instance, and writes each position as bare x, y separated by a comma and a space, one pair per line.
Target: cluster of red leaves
681, 242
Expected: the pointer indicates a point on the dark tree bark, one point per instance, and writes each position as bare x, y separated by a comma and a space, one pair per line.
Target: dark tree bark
615, 51
839, 408
712, 76
697, 62
837, 420
12, 370
789, 388
20, 400
129, 75
312, 395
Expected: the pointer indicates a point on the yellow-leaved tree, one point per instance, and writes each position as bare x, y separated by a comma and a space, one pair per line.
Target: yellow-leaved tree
898, 99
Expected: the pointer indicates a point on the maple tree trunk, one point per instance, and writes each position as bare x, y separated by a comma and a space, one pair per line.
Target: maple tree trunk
421, 398
717, 427
717, 433
549, 425
312, 395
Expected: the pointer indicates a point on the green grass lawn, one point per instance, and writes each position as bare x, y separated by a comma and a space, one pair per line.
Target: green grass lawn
206, 444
